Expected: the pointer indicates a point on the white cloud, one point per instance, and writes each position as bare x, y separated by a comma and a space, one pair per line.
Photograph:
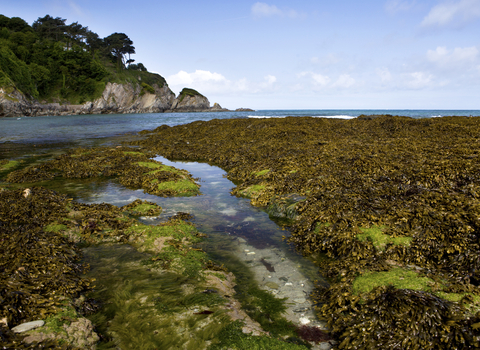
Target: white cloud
317, 81
261, 9
418, 80
321, 80
270, 79
395, 6
199, 76
458, 57
384, 74
344, 81
207, 82
452, 13
326, 60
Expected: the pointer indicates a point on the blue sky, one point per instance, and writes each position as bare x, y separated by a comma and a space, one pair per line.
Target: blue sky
304, 54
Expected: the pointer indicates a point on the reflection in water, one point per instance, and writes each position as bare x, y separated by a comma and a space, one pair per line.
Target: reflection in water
220, 215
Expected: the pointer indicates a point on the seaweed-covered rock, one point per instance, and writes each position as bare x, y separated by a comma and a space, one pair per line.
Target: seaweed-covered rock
419, 180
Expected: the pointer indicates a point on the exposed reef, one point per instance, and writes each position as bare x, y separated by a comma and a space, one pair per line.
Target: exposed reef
388, 202
171, 296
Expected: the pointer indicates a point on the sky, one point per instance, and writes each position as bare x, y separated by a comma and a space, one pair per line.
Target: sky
303, 54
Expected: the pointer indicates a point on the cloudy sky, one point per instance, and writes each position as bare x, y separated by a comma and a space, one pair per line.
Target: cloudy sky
303, 54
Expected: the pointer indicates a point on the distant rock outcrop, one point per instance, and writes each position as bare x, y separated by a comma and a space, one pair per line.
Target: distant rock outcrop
217, 108
244, 110
190, 100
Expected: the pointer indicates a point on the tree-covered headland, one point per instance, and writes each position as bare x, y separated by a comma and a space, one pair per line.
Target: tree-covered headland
52, 61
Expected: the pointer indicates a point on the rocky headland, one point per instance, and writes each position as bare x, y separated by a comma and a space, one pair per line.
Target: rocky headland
116, 99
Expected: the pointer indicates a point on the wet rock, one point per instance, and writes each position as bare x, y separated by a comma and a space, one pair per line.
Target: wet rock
24, 327
304, 320
81, 334
284, 206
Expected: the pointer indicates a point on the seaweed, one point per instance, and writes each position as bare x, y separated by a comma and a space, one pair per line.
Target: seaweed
417, 179
132, 169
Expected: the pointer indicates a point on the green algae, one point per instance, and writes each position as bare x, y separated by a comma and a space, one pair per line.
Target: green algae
161, 308
261, 172
379, 239
6, 165
253, 191
145, 208
397, 277
132, 169
55, 227
232, 337
180, 188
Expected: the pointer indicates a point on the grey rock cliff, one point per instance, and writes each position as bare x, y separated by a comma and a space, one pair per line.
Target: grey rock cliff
188, 103
116, 98
128, 98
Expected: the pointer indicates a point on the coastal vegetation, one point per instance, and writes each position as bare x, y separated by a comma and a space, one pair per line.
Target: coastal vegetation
53, 61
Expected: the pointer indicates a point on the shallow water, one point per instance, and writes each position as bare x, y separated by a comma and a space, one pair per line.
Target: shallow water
241, 236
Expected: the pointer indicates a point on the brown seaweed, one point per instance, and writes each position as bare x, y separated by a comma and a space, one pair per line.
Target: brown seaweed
417, 178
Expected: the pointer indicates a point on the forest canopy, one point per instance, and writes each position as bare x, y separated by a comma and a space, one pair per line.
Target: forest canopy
55, 61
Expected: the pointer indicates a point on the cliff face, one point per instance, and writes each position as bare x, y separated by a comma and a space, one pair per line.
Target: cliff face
116, 98
127, 98
189, 103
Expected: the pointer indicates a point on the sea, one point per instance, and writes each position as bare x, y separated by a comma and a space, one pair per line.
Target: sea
78, 128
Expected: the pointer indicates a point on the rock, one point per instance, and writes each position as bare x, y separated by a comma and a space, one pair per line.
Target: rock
81, 334
190, 100
284, 206
304, 320
324, 346
217, 108
244, 110
116, 98
24, 327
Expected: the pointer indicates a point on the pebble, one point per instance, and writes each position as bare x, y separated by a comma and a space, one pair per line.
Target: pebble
300, 300
289, 284
28, 326
302, 309
304, 320
250, 253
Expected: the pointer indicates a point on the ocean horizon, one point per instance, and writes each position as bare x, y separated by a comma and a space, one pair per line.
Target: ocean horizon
83, 127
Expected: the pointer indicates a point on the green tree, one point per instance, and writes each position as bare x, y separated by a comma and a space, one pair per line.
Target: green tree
50, 28
76, 33
119, 45
94, 42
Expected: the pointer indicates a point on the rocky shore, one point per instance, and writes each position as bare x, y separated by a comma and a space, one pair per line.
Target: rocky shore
168, 291
116, 99
387, 207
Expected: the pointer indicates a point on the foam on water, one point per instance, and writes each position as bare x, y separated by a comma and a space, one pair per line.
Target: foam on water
340, 116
